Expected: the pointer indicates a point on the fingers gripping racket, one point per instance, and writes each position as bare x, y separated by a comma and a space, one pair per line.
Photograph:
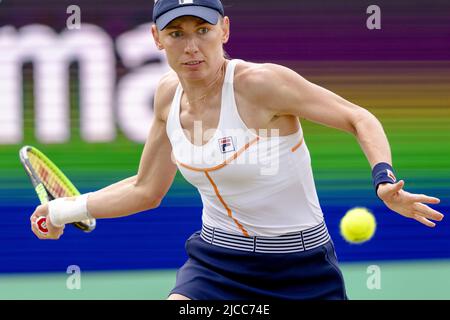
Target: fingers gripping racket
49, 183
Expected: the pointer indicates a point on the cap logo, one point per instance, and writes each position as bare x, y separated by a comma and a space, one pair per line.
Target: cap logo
186, 1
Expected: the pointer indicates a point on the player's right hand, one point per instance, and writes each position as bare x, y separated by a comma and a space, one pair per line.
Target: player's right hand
54, 233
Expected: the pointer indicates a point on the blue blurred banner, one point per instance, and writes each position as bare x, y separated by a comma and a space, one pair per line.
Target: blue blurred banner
84, 97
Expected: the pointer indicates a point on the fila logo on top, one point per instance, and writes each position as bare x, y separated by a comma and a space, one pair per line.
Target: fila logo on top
186, 1
226, 144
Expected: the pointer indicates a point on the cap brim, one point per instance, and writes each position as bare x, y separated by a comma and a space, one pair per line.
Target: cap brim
209, 15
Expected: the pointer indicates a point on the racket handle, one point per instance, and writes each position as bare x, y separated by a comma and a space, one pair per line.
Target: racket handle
41, 224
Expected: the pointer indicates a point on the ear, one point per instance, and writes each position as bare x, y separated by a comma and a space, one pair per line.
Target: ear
225, 29
156, 38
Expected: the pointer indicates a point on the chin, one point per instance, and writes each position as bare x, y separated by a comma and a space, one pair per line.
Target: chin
194, 74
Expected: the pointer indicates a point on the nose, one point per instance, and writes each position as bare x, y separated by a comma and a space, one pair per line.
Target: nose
191, 46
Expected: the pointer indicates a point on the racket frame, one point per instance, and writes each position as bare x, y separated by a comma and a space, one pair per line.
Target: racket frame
42, 192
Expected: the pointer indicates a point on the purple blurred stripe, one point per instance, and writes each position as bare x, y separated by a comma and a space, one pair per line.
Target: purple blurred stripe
283, 29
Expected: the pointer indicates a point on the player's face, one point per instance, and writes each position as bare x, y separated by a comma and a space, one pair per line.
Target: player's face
194, 48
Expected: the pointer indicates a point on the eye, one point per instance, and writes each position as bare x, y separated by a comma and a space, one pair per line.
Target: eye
203, 30
176, 34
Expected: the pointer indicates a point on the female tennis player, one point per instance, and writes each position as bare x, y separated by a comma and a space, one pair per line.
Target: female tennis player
263, 234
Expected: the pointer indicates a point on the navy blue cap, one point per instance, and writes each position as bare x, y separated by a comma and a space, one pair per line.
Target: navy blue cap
164, 11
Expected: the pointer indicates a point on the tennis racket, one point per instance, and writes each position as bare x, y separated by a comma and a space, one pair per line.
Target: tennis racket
49, 183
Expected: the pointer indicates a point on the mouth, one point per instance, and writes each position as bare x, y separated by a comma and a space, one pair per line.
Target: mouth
193, 63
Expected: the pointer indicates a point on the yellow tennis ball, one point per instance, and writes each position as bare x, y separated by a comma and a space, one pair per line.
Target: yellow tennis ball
358, 225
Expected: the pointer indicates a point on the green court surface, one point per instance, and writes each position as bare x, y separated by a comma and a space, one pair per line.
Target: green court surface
395, 280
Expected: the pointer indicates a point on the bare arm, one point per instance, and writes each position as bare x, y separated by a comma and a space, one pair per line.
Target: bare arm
144, 191
155, 175
120, 183
141, 192
287, 93
290, 94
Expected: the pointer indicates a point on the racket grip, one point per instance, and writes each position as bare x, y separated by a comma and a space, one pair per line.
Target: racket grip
41, 224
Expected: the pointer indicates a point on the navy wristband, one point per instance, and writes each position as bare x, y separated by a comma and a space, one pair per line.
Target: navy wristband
382, 173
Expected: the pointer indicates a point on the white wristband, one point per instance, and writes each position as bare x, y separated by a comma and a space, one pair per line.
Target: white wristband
62, 211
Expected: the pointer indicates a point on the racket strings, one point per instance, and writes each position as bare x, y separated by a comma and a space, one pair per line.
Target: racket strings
55, 186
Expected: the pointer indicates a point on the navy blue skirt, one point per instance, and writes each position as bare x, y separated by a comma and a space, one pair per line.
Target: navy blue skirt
217, 273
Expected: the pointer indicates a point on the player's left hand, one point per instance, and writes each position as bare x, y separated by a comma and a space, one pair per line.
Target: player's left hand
409, 205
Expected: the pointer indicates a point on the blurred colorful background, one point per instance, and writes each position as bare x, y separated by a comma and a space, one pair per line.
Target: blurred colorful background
84, 98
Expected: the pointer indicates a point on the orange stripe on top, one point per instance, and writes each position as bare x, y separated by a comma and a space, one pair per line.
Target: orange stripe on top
228, 161
230, 214
297, 146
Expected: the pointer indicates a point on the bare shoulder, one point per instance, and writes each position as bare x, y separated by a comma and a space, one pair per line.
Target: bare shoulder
257, 81
164, 95
252, 71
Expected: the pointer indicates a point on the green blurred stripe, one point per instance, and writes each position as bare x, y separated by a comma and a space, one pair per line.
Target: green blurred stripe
399, 280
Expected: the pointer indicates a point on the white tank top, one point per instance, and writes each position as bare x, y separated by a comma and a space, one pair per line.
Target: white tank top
250, 184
